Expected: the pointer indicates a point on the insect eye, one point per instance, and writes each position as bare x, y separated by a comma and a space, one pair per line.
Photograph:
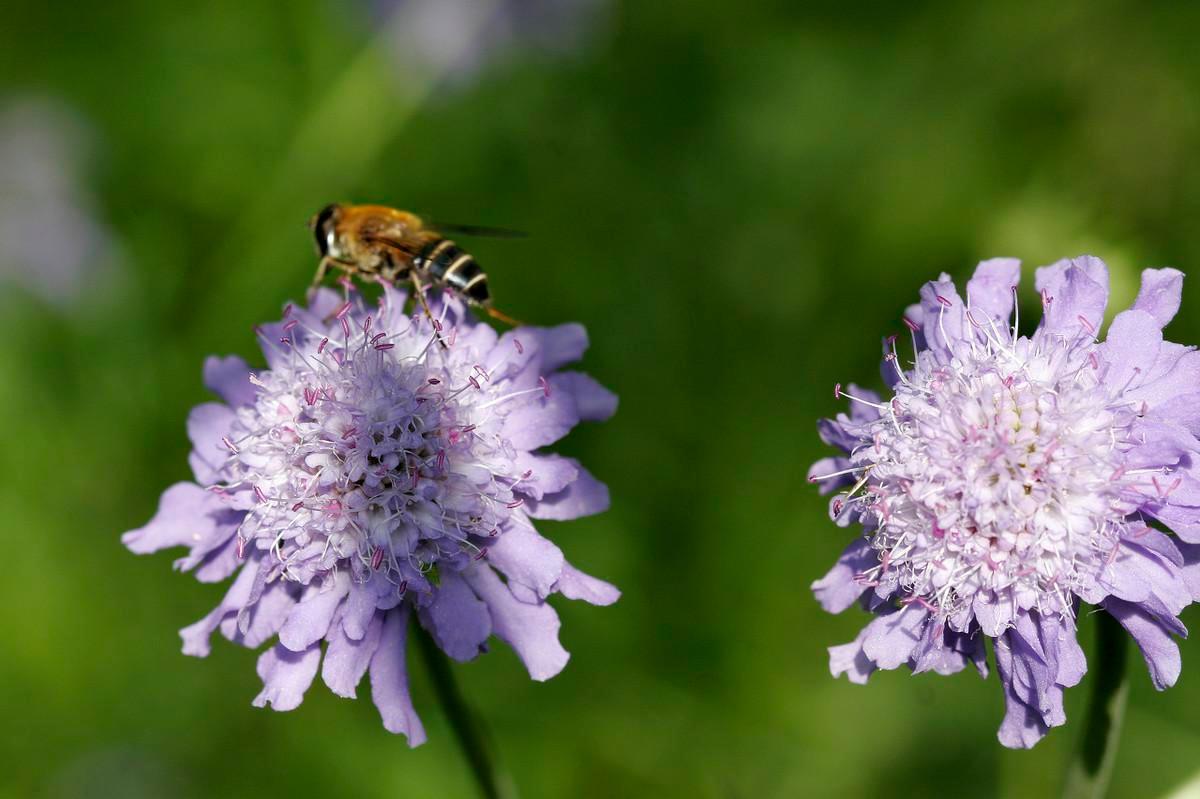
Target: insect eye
322, 228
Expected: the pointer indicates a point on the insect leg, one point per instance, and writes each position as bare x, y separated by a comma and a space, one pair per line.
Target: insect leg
420, 292
323, 269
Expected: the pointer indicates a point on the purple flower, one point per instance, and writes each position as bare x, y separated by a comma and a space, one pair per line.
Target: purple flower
53, 243
1009, 478
370, 474
461, 39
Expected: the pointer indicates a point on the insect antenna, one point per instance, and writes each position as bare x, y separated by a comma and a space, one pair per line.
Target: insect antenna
501, 316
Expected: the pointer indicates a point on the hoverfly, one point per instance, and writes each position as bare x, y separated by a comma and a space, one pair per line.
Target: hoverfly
395, 245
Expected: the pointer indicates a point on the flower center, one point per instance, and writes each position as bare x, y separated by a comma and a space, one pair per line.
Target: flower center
370, 454
993, 479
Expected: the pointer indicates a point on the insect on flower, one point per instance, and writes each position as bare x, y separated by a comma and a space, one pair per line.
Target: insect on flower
364, 480
375, 240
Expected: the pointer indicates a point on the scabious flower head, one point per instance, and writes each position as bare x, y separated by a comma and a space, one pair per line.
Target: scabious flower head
1008, 478
372, 472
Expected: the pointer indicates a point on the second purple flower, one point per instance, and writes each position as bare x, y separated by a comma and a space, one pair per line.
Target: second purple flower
1008, 478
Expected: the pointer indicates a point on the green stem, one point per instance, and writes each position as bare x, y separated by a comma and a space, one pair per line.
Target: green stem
1092, 766
468, 727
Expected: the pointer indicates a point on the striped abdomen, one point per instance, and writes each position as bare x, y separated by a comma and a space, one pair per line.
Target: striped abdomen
448, 265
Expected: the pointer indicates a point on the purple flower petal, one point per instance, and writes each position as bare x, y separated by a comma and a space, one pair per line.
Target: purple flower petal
183, 518
389, 679
220, 563
257, 622
851, 660
548, 474
1077, 292
839, 589
1174, 374
540, 421
457, 619
990, 291
934, 653
527, 558
819, 473
1130, 348
891, 639
286, 675
944, 313
560, 345
583, 497
532, 630
1060, 642
1023, 725
196, 637
994, 613
1158, 649
574, 584
309, 620
347, 659
229, 379
207, 425
359, 610
593, 402
1160, 294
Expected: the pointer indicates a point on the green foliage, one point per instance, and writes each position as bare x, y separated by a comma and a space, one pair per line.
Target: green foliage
737, 201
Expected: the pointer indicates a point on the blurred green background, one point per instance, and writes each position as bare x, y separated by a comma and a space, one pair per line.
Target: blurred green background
737, 200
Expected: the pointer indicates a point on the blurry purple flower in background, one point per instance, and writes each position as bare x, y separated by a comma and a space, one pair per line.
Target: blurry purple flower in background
1008, 478
460, 39
371, 474
50, 242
